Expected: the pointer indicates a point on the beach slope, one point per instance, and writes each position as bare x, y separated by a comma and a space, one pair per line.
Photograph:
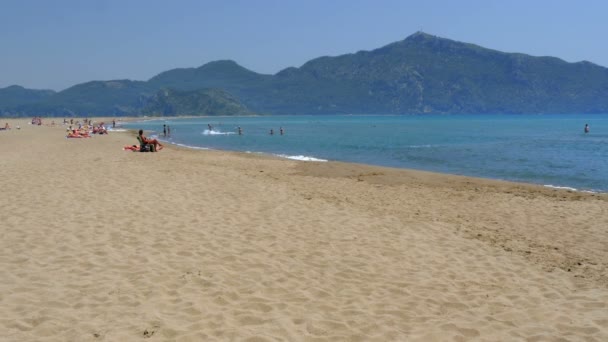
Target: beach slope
101, 244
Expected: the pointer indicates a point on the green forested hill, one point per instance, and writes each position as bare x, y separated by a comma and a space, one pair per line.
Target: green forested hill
169, 102
16, 95
420, 74
424, 73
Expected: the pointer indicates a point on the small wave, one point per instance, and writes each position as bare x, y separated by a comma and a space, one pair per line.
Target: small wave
421, 146
117, 130
212, 132
192, 147
560, 187
302, 158
571, 189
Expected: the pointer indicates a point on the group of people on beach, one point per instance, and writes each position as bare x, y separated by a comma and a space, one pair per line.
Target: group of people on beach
85, 131
148, 144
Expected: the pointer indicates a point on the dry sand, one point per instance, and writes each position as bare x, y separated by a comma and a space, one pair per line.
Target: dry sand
100, 244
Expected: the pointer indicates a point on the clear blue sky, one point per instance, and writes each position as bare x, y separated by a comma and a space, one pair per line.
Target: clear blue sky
59, 43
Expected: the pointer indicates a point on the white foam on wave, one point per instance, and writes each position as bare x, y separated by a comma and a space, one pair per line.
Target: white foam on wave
569, 189
560, 187
421, 146
117, 130
302, 158
212, 132
192, 147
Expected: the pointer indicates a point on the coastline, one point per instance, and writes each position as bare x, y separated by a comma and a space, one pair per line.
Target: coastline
548, 162
188, 244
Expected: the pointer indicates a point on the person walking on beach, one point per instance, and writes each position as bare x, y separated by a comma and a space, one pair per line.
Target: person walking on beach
586, 128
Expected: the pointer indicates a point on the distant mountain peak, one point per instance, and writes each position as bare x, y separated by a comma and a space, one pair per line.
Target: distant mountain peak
422, 73
14, 87
16, 95
420, 34
223, 63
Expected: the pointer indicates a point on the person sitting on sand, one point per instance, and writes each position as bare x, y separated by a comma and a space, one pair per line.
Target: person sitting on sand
100, 129
157, 145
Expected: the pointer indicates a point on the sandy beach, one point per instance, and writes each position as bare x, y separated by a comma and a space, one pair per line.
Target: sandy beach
101, 244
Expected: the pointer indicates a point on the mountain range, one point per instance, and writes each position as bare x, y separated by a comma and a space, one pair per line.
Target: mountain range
420, 74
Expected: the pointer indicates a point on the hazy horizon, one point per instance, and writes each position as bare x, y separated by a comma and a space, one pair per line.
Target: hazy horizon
56, 45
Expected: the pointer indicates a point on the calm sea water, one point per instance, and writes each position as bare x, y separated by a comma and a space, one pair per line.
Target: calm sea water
551, 150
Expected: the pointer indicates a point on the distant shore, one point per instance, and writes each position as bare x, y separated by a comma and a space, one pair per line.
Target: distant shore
105, 244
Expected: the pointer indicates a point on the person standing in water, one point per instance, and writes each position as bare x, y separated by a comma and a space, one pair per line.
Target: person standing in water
240, 130
586, 128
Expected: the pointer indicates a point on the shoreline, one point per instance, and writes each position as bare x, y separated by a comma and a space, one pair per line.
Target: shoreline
439, 174
314, 159
13, 121
101, 243
537, 179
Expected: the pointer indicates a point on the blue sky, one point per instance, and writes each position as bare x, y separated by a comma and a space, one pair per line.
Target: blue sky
60, 43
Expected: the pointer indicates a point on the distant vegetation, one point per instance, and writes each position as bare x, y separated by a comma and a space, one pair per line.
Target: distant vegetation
169, 102
420, 74
14, 96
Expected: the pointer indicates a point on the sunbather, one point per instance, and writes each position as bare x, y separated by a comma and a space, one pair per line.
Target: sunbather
133, 148
157, 145
77, 134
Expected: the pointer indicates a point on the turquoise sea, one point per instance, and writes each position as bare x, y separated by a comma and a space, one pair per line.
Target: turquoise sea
551, 150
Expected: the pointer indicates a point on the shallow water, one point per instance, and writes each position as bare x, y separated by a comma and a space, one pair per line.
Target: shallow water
551, 150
